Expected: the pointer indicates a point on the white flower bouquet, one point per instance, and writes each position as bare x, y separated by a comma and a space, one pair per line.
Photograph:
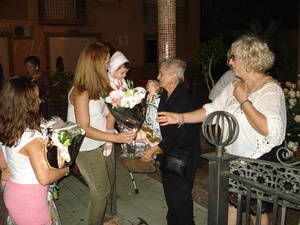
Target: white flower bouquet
65, 137
128, 108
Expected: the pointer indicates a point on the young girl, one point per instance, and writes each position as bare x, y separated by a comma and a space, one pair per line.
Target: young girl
24, 151
117, 70
88, 109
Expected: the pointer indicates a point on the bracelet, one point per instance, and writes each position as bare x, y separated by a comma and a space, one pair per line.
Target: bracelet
68, 172
181, 120
247, 100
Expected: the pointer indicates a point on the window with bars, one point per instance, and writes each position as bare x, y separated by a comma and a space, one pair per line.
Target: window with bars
62, 11
151, 17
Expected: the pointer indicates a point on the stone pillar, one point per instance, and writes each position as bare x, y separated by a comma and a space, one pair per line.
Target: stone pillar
298, 69
166, 29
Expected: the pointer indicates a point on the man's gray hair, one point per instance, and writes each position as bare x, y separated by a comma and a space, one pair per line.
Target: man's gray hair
177, 65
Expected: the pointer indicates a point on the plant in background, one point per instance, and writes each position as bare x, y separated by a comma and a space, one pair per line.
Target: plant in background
209, 54
62, 79
292, 98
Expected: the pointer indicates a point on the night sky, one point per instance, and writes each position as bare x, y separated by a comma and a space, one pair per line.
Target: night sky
220, 16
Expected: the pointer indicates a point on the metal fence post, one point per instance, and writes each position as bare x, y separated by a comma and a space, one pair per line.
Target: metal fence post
213, 129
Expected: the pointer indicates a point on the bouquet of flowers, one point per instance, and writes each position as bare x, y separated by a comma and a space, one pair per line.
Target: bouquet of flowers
128, 108
65, 137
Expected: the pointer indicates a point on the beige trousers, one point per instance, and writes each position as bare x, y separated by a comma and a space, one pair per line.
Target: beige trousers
97, 172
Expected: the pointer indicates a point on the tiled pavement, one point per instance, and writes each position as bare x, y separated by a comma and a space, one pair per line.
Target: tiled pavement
148, 205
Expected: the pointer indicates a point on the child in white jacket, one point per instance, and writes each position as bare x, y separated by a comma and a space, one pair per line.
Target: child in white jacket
117, 70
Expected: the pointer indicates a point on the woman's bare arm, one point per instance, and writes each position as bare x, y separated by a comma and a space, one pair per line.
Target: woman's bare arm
81, 105
4, 169
166, 118
45, 174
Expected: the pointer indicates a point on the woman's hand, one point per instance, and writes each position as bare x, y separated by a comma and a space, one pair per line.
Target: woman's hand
60, 160
125, 137
148, 155
166, 118
240, 91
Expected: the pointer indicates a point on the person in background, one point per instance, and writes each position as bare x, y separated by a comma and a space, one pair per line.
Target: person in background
117, 69
257, 102
224, 80
87, 108
179, 143
24, 151
59, 64
43, 80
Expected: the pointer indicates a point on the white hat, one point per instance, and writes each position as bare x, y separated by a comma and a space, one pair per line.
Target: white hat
116, 60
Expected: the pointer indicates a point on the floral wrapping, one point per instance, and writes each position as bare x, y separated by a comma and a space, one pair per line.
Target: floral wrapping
66, 137
129, 111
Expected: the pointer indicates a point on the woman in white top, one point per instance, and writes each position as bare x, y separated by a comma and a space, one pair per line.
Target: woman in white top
24, 149
256, 100
87, 108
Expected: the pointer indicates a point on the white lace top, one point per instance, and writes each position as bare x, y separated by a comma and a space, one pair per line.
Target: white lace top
268, 100
19, 165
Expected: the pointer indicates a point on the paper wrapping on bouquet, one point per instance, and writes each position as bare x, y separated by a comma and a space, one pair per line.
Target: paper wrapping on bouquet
65, 136
128, 119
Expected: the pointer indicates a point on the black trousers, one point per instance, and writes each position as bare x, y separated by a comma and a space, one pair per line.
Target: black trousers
178, 194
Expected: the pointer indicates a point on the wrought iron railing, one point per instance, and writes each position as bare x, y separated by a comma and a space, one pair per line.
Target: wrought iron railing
251, 180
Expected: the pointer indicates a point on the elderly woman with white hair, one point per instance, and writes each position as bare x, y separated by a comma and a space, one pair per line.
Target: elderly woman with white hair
257, 102
180, 145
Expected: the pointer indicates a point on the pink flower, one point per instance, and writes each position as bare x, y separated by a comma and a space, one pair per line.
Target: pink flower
115, 97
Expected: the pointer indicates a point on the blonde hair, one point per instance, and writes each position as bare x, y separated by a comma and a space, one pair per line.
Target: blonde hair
155, 83
90, 72
253, 53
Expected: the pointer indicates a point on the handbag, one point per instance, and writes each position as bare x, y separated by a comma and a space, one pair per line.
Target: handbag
174, 164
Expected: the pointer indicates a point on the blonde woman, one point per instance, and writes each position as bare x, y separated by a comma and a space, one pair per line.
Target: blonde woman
87, 108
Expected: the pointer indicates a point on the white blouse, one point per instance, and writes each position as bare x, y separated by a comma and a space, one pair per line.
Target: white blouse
268, 100
19, 165
98, 111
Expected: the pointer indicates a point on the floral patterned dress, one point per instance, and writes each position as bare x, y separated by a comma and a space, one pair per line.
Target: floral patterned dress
151, 126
